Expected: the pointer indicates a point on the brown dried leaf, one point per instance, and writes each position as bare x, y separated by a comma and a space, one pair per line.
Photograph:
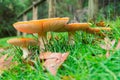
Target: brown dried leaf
49, 55
107, 54
1, 50
118, 45
108, 44
50, 64
53, 61
45, 55
5, 63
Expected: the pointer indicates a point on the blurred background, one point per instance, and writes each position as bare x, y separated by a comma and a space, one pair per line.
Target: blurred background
93, 11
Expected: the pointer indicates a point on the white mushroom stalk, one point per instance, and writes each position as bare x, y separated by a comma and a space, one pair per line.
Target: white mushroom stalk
25, 52
71, 39
42, 38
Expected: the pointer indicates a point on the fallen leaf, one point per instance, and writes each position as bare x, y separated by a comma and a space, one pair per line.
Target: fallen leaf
5, 63
50, 65
118, 45
107, 54
49, 55
53, 61
45, 55
108, 44
1, 50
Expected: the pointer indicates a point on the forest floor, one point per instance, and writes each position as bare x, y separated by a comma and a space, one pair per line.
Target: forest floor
87, 59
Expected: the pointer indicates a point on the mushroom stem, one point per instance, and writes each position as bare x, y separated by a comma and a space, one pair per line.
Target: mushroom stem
25, 52
71, 39
42, 37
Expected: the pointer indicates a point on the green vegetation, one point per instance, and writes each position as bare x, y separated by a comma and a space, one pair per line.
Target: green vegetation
8, 15
87, 60
3, 42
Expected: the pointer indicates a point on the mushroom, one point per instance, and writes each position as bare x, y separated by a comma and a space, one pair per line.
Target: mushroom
97, 30
72, 27
23, 43
41, 27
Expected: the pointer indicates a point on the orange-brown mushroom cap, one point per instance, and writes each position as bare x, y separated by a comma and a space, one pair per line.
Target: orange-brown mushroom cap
74, 27
42, 25
23, 42
98, 29
77, 26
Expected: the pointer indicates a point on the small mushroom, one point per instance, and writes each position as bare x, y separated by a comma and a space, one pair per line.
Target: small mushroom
97, 30
72, 27
23, 43
41, 27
